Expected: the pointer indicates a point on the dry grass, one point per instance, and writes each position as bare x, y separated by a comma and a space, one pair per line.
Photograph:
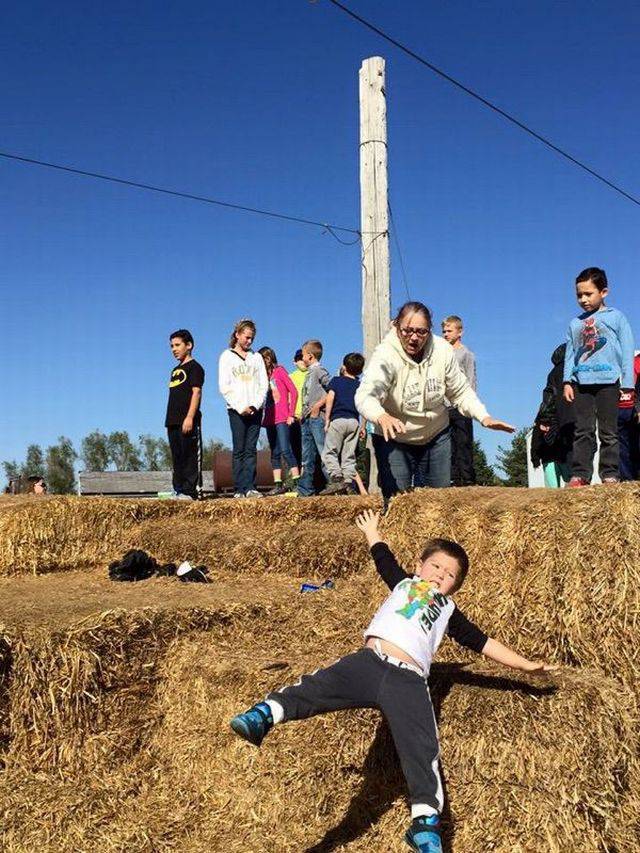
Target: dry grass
116, 726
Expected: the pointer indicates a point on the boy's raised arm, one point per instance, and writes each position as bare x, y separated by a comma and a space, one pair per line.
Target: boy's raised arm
503, 654
386, 564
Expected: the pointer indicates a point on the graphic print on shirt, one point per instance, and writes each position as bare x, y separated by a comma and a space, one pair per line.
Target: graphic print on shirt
411, 397
422, 597
178, 376
591, 341
243, 372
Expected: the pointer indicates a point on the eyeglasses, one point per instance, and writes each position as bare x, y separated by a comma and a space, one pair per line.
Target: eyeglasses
408, 332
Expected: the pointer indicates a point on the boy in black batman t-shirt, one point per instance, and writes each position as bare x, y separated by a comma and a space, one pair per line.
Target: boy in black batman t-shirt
183, 417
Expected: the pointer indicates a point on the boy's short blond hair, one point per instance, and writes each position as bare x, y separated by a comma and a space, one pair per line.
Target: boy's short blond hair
453, 318
314, 347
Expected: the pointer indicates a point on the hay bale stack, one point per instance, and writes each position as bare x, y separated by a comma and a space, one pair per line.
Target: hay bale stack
67, 533
124, 717
529, 766
63, 533
79, 696
522, 763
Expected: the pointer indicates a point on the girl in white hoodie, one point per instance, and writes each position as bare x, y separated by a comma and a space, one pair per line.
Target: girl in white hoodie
243, 382
403, 391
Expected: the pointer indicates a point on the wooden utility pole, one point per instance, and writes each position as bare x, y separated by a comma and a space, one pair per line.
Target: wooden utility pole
374, 224
376, 308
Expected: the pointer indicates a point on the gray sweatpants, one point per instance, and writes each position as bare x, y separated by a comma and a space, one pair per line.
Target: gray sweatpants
364, 680
340, 446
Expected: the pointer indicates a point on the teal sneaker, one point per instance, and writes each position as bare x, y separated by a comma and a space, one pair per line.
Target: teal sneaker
254, 724
424, 835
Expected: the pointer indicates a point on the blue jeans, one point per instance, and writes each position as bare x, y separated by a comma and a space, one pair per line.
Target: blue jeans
245, 430
629, 443
280, 444
401, 466
312, 445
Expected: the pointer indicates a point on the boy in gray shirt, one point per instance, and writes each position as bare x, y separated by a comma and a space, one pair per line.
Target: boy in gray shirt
462, 470
314, 395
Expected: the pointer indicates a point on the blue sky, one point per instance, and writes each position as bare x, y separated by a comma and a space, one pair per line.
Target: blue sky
257, 103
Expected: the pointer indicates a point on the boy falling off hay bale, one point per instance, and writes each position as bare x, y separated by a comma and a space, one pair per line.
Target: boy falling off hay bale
390, 672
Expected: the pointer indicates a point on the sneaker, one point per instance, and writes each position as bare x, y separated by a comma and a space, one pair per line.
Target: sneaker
609, 480
239, 495
278, 489
424, 834
576, 482
181, 497
192, 574
252, 493
254, 724
335, 487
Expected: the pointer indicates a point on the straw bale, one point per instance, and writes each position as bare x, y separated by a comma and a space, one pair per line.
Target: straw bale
118, 724
63, 533
523, 760
78, 694
528, 766
71, 532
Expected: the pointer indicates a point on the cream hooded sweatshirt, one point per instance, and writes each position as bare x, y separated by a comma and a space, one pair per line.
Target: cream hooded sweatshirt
414, 392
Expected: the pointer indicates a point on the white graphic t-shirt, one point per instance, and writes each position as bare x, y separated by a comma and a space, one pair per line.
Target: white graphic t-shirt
415, 618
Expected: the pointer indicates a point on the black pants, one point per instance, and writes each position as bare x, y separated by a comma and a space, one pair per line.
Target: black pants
596, 404
186, 453
629, 444
363, 680
462, 470
295, 437
245, 430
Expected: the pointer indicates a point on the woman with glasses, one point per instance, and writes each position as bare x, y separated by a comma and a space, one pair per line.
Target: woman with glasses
403, 391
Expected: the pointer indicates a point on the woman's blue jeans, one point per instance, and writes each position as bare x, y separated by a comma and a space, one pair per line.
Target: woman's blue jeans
245, 430
401, 466
280, 444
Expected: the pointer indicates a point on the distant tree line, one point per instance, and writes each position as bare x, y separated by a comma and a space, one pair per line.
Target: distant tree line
99, 451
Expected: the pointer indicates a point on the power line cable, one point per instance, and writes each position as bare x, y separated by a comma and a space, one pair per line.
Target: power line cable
329, 230
397, 242
190, 196
485, 102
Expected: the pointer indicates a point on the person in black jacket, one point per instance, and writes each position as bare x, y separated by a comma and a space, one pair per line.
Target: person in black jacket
552, 439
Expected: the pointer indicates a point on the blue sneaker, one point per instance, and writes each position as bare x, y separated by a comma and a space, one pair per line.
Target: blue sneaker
424, 834
254, 724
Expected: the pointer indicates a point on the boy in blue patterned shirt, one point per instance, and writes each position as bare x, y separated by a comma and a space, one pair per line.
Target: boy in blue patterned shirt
598, 366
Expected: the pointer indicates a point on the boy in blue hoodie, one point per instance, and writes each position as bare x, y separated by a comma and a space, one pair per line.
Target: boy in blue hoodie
598, 366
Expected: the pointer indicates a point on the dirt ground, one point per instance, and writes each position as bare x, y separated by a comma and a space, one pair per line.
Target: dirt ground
59, 599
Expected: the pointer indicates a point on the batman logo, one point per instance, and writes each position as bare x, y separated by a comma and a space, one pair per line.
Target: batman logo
177, 377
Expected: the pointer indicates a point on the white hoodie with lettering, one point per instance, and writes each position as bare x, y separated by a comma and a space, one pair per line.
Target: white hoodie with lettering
243, 382
415, 392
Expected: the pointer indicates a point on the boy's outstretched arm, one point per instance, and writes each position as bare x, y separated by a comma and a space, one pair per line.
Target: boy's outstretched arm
386, 564
504, 655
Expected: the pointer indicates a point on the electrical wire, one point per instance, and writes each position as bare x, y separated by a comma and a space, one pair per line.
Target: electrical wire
485, 102
179, 194
397, 242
